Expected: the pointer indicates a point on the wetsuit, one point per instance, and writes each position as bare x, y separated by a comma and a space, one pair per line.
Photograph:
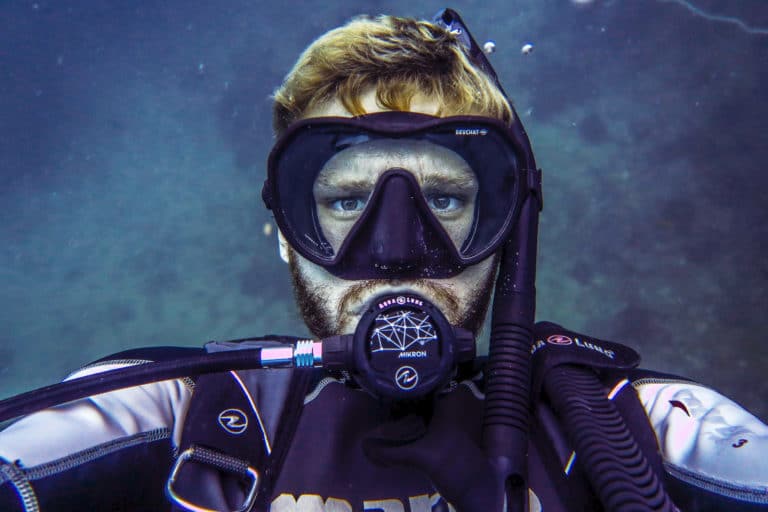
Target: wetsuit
115, 451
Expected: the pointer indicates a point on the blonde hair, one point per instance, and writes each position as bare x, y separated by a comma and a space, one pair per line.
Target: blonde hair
398, 58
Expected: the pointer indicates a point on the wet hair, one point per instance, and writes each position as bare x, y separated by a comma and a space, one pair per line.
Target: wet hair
399, 58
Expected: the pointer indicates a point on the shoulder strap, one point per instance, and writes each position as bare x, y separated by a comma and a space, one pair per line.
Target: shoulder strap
235, 436
554, 346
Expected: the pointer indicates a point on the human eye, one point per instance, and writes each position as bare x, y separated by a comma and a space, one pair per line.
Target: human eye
444, 203
347, 205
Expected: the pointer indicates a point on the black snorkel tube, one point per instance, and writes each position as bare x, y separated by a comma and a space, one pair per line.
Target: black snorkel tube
508, 374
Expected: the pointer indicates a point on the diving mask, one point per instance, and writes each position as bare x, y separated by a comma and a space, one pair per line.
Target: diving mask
398, 194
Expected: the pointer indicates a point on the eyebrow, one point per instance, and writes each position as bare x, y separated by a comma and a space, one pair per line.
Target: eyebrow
342, 184
463, 182
426, 171
437, 181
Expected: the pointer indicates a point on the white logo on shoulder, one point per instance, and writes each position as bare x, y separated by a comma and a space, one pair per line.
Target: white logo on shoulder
233, 421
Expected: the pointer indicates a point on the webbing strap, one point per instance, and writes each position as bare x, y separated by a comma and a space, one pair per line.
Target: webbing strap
219, 461
225, 430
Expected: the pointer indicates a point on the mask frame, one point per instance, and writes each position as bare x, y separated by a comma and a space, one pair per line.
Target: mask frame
497, 154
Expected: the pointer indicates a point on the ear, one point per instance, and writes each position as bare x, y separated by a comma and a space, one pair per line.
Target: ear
282, 246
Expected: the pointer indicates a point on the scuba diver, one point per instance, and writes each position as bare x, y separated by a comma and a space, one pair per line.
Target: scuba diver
407, 197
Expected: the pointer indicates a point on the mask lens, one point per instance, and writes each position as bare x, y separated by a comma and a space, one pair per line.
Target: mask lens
342, 190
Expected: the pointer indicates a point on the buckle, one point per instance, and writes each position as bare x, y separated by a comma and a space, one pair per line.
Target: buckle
533, 178
219, 461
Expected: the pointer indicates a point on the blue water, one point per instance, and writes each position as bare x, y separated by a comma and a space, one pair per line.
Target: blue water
133, 137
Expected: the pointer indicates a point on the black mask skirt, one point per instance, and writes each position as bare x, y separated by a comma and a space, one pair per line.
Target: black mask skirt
396, 194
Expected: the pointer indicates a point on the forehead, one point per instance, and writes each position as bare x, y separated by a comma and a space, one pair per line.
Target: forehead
417, 156
427, 161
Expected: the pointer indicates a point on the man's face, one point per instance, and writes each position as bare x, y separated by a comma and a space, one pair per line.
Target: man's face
347, 180
331, 305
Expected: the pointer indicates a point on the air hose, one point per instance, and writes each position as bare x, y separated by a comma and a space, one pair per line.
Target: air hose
615, 466
69, 390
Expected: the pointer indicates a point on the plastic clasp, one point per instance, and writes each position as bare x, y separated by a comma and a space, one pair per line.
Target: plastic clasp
218, 461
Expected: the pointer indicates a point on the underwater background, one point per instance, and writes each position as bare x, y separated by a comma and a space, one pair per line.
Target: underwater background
133, 139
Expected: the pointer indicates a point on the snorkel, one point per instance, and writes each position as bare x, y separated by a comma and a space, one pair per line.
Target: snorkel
508, 378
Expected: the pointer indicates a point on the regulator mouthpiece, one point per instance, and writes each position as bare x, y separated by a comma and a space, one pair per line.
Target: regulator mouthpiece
404, 347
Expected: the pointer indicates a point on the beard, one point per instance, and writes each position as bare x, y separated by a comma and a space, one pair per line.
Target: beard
324, 318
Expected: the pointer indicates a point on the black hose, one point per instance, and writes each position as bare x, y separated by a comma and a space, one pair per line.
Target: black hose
112, 380
617, 469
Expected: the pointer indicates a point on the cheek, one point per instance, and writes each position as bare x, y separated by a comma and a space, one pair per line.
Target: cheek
459, 229
473, 277
320, 280
334, 230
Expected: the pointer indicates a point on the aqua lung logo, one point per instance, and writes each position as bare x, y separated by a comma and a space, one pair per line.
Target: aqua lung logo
233, 421
559, 339
400, 300
471, 131
563, 340
406, 378
610, 354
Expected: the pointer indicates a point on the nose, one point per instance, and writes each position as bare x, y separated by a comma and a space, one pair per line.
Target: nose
394, 238
397, 239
